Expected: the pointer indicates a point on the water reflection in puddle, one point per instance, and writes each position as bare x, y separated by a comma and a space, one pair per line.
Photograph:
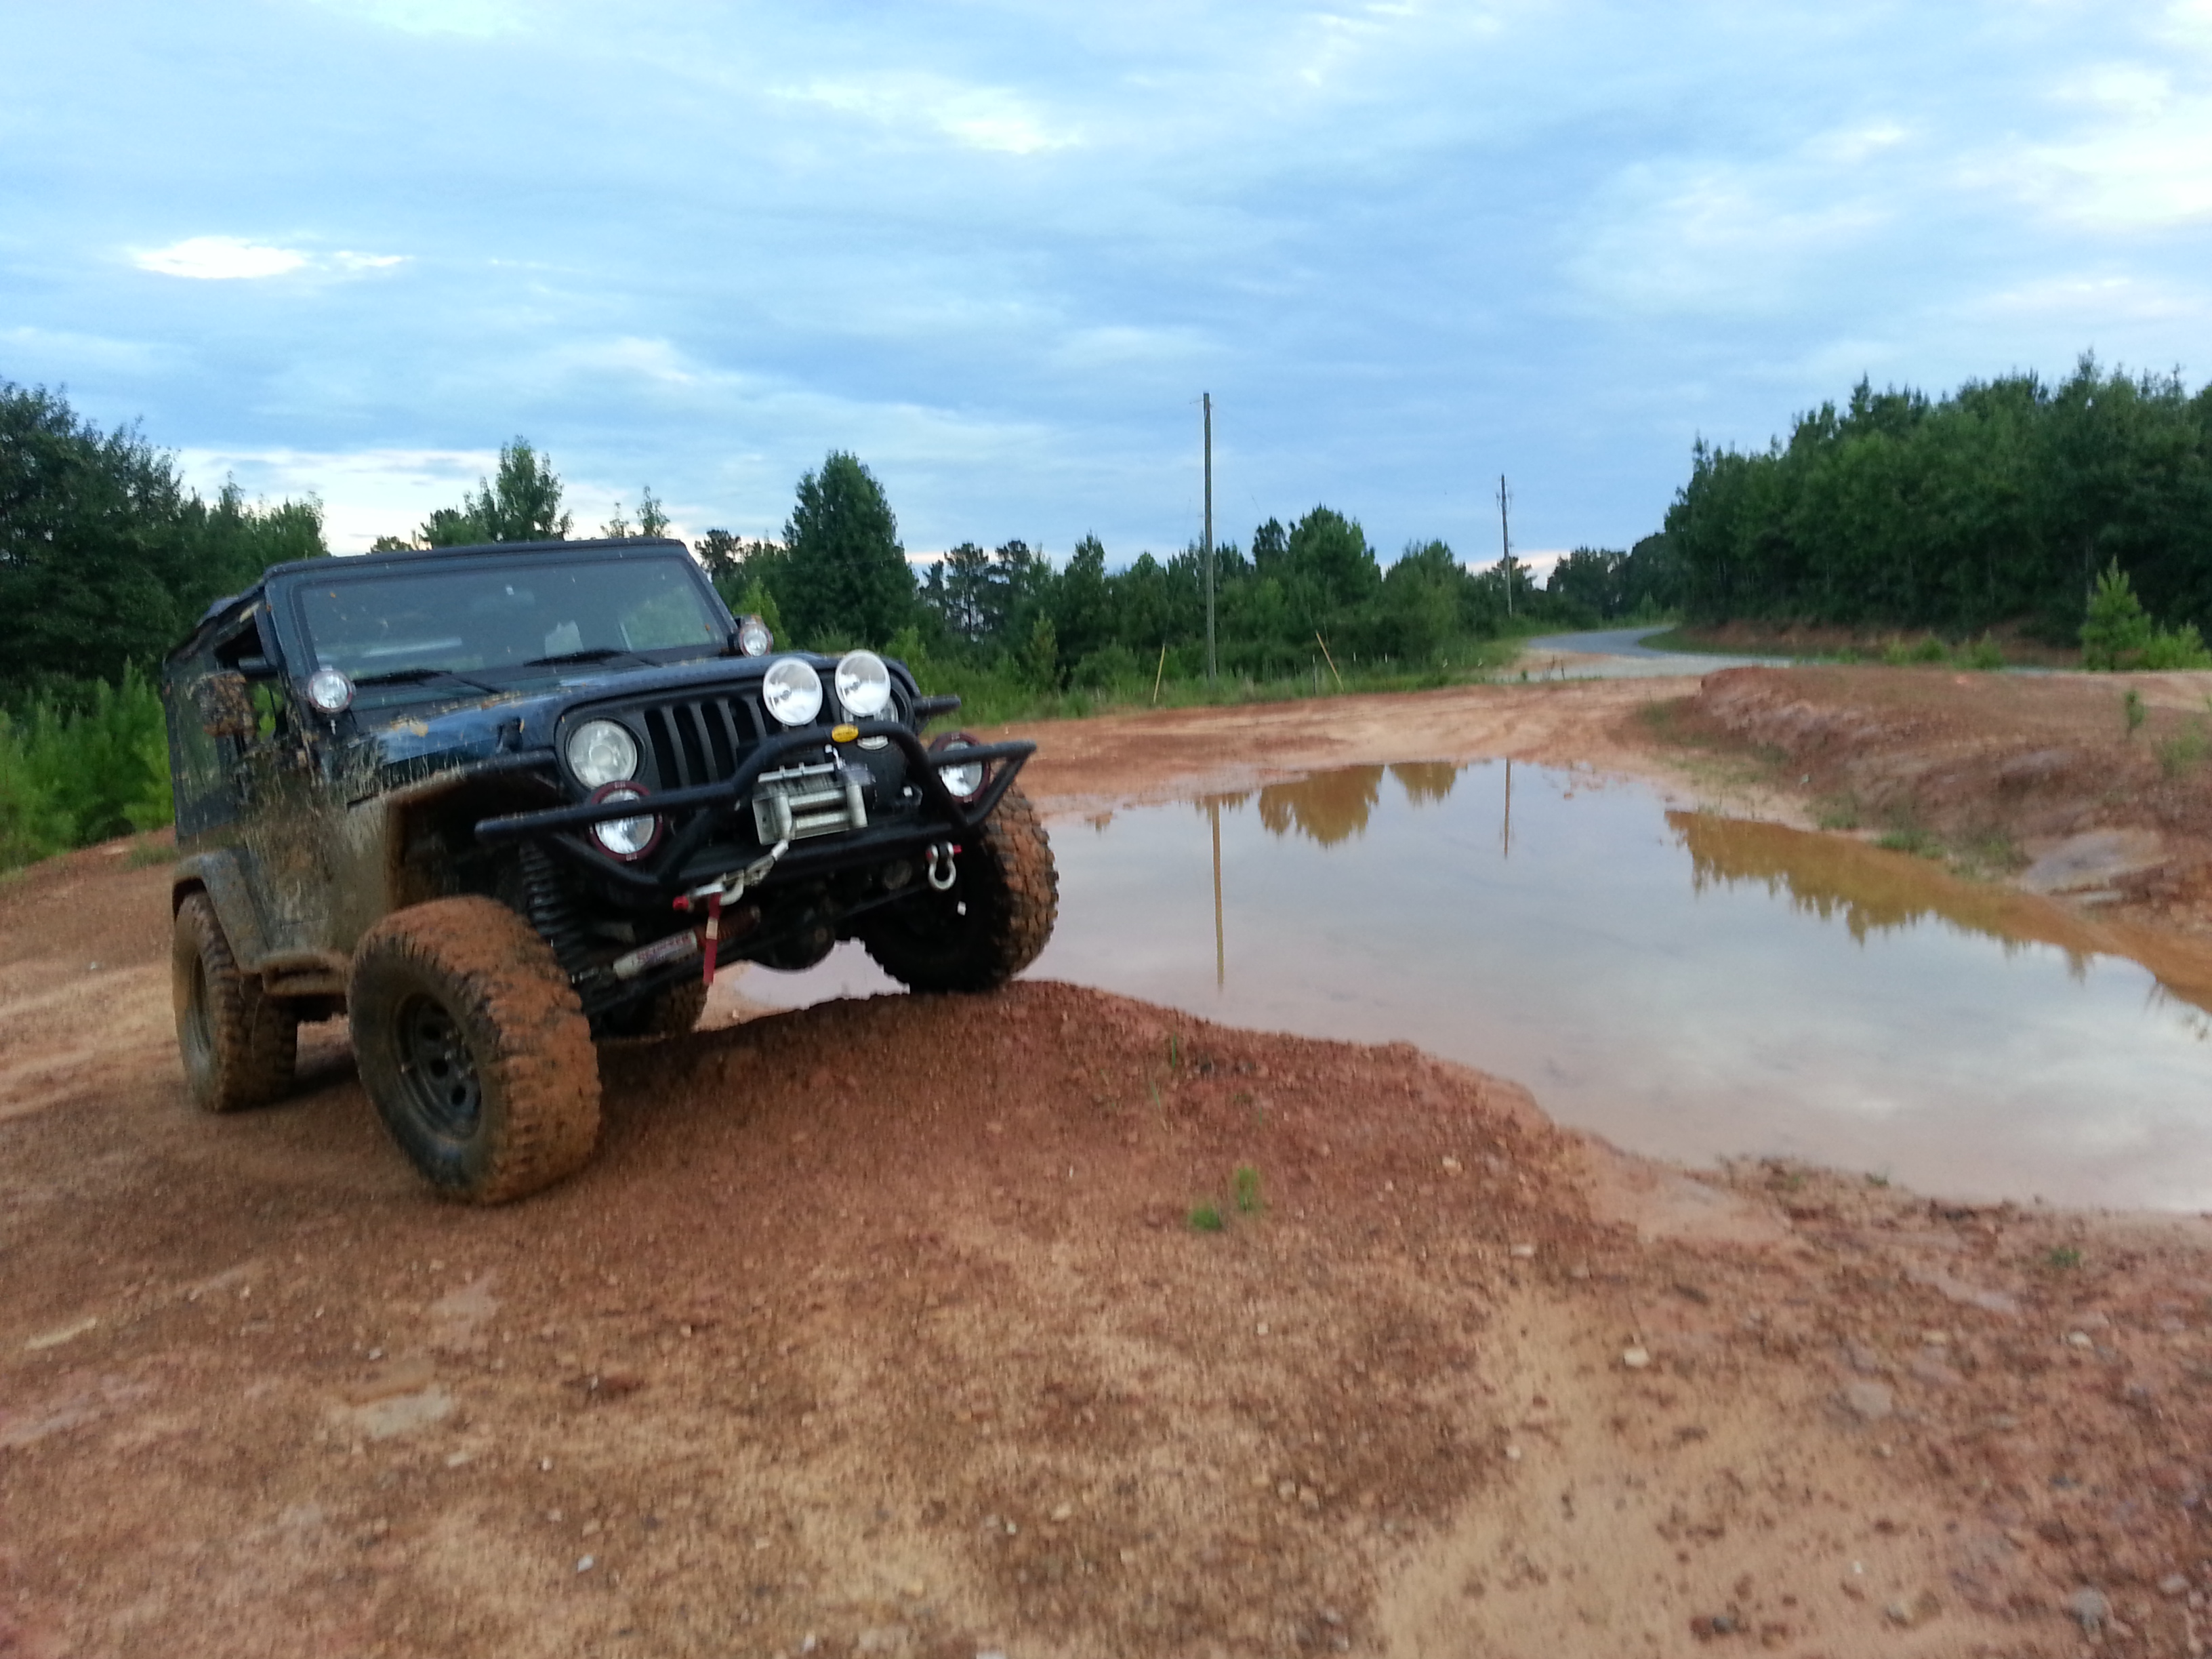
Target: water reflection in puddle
1685, 985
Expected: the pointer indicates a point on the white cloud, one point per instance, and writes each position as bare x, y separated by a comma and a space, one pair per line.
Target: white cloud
1851, 146
229, 258
1720, 238
2145, 164
976, 118
657, 361
220, 258
2140, 158
2086, 301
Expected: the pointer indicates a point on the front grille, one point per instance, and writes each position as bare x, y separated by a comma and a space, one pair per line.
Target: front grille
700, 740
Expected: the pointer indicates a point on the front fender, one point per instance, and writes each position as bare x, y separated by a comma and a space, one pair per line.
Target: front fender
219, 876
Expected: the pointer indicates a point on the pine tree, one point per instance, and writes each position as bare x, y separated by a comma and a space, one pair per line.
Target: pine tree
847, 575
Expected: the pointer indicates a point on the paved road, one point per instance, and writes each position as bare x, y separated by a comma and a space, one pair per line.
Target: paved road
1618, 653
1603, 642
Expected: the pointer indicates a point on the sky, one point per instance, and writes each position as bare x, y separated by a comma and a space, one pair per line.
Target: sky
998, 249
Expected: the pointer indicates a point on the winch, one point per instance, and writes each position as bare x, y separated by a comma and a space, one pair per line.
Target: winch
822, 799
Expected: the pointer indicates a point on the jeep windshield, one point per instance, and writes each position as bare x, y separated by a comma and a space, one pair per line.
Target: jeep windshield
426, 628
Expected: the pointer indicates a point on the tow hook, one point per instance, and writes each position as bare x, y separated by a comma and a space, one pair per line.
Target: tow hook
715, 894
939, 867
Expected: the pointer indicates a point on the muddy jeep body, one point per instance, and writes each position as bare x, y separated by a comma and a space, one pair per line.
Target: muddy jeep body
309, 834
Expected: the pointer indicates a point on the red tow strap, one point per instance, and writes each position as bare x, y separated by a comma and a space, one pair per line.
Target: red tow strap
710, 944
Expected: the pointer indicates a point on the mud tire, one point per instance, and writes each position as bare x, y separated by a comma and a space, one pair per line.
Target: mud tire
992, 924
239, 1045
671, 1011
472, 1045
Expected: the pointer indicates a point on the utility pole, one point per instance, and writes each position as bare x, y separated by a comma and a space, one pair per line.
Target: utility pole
1206, 399
1505, 542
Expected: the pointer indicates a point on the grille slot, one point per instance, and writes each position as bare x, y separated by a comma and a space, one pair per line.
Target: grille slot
700, 740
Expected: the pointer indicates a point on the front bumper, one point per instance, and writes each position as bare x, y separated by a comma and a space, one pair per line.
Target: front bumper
693, 814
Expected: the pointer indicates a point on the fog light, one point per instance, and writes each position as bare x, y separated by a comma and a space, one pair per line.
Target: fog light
626, 838
963, 780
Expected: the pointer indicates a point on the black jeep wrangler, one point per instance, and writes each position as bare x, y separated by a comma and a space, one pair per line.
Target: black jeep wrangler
496, 802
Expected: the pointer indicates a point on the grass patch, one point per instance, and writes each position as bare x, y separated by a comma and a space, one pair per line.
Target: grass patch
1983, 653
1206, 1219
1837, 812
2064, 1258
2182, 752
1247, 1184
1721, 765
1992, 853
1913, 840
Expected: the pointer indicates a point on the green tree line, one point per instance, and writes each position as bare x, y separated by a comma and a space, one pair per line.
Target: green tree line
106, 559
1311, 593
2003, 502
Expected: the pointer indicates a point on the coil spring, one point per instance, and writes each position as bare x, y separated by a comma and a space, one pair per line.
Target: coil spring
552, 912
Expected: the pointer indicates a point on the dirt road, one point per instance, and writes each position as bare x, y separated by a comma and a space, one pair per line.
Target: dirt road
885, 1328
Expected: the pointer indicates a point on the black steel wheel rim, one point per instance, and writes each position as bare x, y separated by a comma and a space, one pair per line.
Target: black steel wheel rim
438, 1070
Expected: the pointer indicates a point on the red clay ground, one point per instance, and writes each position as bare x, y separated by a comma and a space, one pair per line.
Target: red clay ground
2047, 776
882, 1328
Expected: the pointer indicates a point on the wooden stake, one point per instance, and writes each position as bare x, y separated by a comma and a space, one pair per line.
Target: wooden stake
1330, 660
1158, 672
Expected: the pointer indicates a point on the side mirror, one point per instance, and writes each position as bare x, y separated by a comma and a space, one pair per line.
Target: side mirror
225, 705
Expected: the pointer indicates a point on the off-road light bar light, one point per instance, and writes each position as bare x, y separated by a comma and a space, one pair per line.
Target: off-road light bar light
329, 690
753, 637
601, 752
626, 838
791, 690
864, 685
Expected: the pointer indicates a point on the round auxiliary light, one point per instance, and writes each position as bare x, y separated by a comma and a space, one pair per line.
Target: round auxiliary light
329, 690
753, 637
791, 690
962, 780
626, 838
864, 685
601, 752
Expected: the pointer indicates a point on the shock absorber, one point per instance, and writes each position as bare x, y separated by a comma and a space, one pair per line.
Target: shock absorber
552, 911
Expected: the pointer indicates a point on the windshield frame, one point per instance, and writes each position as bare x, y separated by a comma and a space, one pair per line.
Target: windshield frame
447, 684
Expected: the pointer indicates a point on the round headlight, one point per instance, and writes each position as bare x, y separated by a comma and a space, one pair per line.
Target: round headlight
864, 685
753, 637
962, 780
329, 690
791, 690
626, 838
601, 752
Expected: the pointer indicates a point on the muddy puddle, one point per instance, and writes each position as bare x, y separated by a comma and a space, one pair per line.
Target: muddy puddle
1687, 985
